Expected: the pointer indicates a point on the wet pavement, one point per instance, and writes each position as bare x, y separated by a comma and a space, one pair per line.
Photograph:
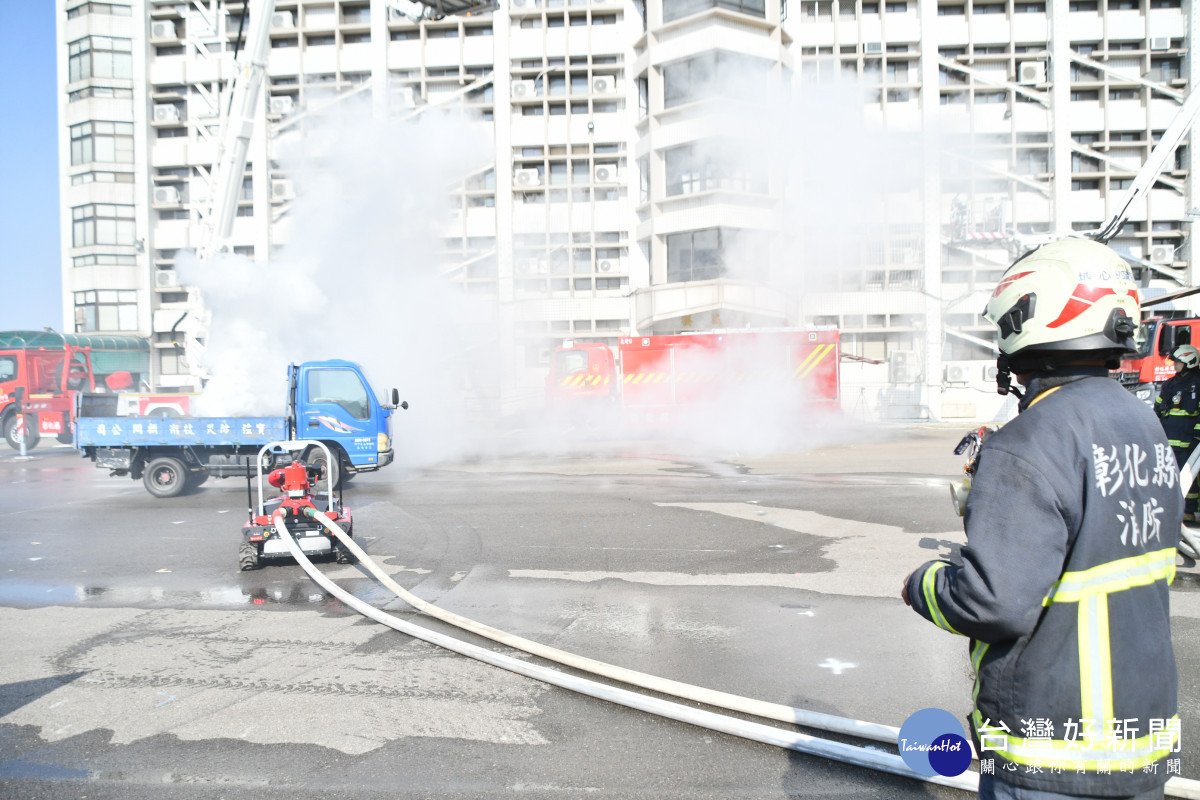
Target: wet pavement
143, 663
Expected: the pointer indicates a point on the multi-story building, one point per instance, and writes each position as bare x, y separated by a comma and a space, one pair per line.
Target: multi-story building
1033, 120
658, 167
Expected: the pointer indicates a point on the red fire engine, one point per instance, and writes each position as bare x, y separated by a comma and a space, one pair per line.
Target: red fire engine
658, 373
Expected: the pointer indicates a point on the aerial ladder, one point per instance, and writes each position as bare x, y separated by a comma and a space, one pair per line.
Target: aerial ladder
236, 121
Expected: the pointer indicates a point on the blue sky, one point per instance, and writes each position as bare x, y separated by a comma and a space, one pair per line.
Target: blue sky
30, 285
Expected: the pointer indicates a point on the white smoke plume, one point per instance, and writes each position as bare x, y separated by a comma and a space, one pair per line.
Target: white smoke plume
358, 278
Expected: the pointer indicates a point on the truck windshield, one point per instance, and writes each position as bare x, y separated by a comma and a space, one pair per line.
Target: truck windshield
8, 368
341, 387
571, 361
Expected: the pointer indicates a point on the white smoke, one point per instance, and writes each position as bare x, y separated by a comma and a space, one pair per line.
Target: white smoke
358, 278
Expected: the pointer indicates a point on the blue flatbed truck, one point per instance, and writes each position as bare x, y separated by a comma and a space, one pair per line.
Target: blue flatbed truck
328, 401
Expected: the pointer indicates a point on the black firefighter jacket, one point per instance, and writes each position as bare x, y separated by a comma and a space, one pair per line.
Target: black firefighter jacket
1072, 522
1178, 406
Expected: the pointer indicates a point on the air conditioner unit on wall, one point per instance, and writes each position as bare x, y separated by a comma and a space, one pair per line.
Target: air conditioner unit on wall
282, 105
166, 195
520, 3
283, 20
524, 89
166, 113
528, 266
166, 279
610, 265
1162, 254
1160, 42
282, 189
872, 48
604, 84
956, 373
526, 178
605, 173
1031, 72
903, 367
163, 29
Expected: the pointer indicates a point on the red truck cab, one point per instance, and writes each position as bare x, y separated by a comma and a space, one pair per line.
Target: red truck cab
1157, 338
581, 372
48, 380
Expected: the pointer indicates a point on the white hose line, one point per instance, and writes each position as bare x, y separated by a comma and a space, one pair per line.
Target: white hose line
709, 697
1186, 788
803, 743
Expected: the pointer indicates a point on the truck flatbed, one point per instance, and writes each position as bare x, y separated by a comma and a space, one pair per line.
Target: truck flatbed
189, 431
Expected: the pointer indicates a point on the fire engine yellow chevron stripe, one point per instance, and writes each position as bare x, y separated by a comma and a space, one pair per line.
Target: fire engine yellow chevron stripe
808, 359
1115, 576
804, 363
820, 352
928, 585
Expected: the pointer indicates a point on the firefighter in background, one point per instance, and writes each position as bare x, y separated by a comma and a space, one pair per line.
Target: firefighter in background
1178, 406
1072, 521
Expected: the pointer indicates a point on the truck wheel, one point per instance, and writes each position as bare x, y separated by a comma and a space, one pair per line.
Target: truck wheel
31, 432
65, 438
196, 479
248, 557
165, 477
333, 473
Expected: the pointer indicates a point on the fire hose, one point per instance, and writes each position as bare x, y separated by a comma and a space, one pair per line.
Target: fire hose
813, 745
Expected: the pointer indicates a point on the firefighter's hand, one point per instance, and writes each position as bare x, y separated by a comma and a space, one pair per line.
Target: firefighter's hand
904, 589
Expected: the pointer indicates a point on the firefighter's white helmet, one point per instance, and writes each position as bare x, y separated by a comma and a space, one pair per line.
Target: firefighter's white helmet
1067, 296
1186, 355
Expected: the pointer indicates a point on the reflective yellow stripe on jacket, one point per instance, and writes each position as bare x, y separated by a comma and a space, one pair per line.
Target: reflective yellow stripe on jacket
1090, 589
929, 589
1115, 576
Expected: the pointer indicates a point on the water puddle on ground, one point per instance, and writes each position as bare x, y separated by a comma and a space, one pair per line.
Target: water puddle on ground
266, 594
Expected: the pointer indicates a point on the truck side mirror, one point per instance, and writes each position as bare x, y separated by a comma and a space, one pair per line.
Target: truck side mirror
404, 405
394, 398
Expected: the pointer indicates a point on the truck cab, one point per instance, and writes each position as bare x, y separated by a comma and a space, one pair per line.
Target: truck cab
586, 370
46, 379
1157, 337
334, 402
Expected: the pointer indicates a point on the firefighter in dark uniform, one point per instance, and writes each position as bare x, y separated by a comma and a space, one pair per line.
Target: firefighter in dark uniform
1178, 406
1072, 522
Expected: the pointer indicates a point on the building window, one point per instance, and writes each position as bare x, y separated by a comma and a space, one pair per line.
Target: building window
106, 310
112, 9
101, 177
674, 9
100, 223
694, 256
99, 57
695, 78
105, 259
691, 170
102, 141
